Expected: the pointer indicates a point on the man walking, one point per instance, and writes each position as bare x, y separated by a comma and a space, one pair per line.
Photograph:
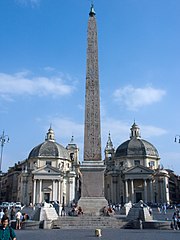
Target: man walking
6, 232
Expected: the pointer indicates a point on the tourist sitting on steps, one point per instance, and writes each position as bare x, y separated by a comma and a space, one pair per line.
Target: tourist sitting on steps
75, 211
80, 211
108, 211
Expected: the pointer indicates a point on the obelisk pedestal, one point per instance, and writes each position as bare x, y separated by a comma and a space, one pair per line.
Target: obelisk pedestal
92, 198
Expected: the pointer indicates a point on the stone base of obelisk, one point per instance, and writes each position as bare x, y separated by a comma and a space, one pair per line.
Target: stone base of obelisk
93, 206
92, 198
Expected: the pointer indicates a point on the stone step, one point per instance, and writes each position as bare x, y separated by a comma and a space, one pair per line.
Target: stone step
87, 222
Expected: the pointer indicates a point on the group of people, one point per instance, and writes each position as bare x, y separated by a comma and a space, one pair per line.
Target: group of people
108, 211
162, 208
75, 211
14, 215
6, 231
6, 219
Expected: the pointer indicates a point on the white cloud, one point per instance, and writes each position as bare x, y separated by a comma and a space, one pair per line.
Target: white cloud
23, 84
32, 3
49, 69
152, 131
134, 98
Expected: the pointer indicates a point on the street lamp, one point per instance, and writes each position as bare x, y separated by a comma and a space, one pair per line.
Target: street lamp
177, 138
3, 139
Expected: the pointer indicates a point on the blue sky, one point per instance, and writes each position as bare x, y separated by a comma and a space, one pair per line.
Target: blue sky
43, 68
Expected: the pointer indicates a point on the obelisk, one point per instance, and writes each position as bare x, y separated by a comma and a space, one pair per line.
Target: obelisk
92, 169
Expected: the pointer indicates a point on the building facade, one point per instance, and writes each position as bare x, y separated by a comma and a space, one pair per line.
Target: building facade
50, 173
133, 172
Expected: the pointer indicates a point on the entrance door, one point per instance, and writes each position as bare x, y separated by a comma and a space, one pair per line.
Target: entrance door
138, 196
47, 197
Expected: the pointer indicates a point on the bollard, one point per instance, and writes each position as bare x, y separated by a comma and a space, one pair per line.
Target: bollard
98, 232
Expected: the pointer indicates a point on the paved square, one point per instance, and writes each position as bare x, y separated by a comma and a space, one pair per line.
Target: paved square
107, 234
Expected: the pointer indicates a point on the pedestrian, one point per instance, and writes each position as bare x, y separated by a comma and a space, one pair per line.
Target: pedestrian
63, 212
150, 211
6, 212
6, 232
119, 207
165, 208
18, 219
174, 221
13, 213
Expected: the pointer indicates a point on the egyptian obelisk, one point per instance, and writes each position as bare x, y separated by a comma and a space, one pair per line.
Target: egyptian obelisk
92, 169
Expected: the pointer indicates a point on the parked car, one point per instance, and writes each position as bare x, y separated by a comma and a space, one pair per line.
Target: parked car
11, 204
18, 205
5, 205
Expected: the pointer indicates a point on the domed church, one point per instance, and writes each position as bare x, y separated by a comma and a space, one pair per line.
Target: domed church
133, 171
50, 173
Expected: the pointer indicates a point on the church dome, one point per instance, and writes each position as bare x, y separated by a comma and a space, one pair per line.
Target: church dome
49, 148
136, 146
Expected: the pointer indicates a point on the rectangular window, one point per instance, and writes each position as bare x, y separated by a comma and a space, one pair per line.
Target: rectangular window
136, 162
151, 163
48, 163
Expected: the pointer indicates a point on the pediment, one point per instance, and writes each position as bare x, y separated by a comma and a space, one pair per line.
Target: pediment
139, 170
46, 170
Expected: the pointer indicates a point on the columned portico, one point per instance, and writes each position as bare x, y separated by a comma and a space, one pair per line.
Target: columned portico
53, 185
137, 188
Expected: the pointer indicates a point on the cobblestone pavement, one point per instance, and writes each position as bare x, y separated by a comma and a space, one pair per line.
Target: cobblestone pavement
107, 234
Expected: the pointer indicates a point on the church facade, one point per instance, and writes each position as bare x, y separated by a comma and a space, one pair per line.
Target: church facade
133, 172
50, 173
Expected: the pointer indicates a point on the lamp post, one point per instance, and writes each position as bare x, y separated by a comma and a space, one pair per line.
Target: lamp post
3, 139
177, 138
